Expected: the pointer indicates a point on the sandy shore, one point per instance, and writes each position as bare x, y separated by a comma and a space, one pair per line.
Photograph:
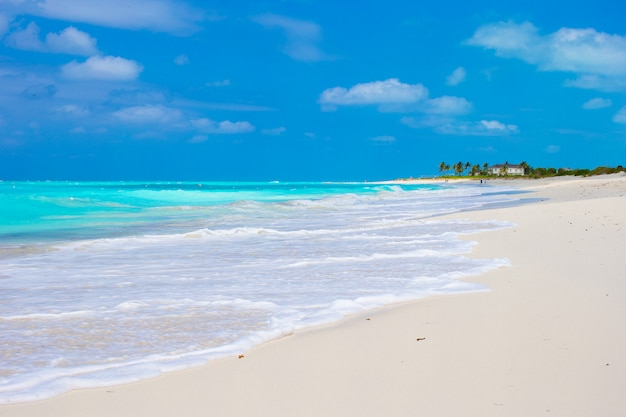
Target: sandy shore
548, 339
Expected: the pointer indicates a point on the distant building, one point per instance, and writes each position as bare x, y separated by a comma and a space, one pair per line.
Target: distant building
507, 169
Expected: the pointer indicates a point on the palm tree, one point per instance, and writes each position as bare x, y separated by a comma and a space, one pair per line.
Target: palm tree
442, 167
485, 169
458, 168
475, 169
467, 166
504, 170
527, 168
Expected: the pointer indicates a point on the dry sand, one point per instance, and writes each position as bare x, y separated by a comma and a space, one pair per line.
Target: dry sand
548, 339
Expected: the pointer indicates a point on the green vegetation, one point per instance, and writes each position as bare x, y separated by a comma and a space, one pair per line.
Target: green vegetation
461, 169
559, 172
467, 169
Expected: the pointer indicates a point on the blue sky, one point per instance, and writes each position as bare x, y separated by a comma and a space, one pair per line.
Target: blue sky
305, 89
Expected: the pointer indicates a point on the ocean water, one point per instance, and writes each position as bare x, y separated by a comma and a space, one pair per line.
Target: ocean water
112, 282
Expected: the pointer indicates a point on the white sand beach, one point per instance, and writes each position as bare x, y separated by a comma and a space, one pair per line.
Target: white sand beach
548, 339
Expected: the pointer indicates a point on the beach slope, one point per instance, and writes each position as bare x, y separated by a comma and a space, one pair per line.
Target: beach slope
548, 339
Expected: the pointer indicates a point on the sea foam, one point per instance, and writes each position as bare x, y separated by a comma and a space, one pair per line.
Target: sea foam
157, 284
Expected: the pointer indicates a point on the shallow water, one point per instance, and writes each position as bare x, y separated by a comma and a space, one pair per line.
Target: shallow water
104, 283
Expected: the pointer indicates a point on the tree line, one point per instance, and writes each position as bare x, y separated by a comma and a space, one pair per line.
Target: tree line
461, 168
468, 169
559, 172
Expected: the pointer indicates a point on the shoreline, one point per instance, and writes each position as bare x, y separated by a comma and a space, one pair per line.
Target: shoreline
546, 338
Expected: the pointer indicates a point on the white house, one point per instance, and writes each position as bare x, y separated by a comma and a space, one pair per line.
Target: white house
506, 169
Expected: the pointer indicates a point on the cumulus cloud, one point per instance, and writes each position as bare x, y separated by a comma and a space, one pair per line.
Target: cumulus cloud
510, 39
620, 116
72, 110
205, 125
69, 41
481, 128
496, 126
450, 126
302, 36
168, 16
393, 95
439, 114
448, 105
597, 58
102, 68
598, 82
72, 41
457, 77
148, 114
597, 103
390, 91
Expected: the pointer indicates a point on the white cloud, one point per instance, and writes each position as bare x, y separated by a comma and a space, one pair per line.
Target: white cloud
620, 116
439, 114
72, 41
598, 82
510, 40
103, 68
448, 105
302, 36
597, 58
72, 110
148, 114
481, 128
181, 60
450, 126
457, 76
586, 51
393, 95
274, 132
205, 125
597, 103
390, 91
496, 126
157, 15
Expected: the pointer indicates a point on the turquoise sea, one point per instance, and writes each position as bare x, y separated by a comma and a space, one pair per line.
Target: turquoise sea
112, 282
